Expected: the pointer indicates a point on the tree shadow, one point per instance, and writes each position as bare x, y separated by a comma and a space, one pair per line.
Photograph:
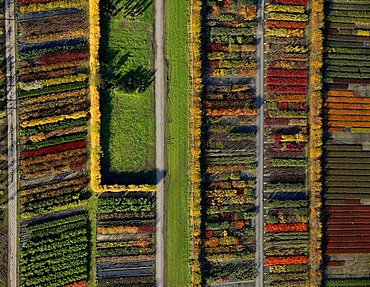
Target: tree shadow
136, 8
136, 178
137, 80
130, 8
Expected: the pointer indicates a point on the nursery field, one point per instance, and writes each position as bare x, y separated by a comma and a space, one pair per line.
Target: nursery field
347, 134
125, 240
69, 237
127, 112
54, 250
53, 71
229, 141
285, 160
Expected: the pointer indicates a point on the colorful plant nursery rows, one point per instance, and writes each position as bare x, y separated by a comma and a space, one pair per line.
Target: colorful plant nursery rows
229, 141
54, 250
53, 104
286, 200
347, 134
126, 240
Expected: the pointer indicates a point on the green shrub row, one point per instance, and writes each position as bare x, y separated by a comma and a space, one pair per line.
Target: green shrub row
53, 89
53, 126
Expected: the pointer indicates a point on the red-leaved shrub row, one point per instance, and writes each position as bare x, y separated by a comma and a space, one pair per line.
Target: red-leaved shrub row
53, 149
286, 73
62, 57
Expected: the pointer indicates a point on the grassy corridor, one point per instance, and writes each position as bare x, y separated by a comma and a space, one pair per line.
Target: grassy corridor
127, 118
177, 184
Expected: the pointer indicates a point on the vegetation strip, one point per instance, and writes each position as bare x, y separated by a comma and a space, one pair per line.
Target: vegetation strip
286, 137
229, 105
195, 141
55, 251
315, 141
177, 145
125, 231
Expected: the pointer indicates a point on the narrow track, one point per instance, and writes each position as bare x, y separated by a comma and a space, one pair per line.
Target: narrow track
11, 96
260, 139
160, 156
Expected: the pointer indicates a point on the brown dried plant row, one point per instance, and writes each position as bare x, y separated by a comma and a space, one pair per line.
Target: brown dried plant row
315, 141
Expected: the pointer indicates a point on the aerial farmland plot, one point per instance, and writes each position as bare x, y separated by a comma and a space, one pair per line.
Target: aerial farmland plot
209, 143
346, 101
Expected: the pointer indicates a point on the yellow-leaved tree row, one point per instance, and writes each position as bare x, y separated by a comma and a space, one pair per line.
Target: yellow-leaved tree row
316, 24
195, 136
94, 95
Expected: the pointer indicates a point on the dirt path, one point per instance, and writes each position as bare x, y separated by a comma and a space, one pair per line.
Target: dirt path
12, 142
260, 146
160, 148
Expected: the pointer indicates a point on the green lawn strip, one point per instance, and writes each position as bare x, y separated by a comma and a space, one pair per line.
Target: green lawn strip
128, 119
177, 179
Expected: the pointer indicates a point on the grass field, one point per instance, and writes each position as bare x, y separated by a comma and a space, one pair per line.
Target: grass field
128, 119
177, 180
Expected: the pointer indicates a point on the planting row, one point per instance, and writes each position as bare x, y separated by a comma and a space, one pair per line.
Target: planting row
126, 240
229, 141
286, 204
53, 104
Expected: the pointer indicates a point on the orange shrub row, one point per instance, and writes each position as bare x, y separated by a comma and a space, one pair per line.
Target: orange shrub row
286, 227
338, 93
82, 283
346, 99
286, 260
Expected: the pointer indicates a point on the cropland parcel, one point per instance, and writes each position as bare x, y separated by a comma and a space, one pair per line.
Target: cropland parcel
285, 161
53, 103
125, 239
229, 144
347, 138
69, 238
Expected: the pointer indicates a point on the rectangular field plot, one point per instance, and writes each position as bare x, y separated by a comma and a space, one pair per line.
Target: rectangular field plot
346, 238
286, 137
125, 240
54, 250
229, 141
53, 72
